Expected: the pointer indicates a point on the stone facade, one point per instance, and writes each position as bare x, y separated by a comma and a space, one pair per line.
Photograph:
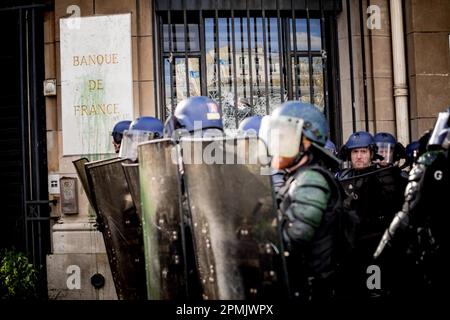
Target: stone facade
427, 28
73, 237
428, 44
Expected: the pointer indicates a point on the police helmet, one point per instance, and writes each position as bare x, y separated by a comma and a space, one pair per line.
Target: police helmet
119, 128
359, 139
411, 151
286, 125
384, 137
250, 123
329, 145
386, 145
142, 129
148, 124
315, 126
198, 113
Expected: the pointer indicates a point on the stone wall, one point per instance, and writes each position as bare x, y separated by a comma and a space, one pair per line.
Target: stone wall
428, 47
378, 78
72, 239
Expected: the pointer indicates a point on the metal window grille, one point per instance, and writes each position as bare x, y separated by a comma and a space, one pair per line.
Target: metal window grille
249, 56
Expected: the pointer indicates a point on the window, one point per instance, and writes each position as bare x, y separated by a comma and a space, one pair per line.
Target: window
248, 61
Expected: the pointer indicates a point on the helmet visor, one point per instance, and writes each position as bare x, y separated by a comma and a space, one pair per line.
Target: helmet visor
282, 135
130, 141
386, 150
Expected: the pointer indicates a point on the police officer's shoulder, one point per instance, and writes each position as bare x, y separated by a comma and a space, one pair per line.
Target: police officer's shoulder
428, 157
311, 178
310, 189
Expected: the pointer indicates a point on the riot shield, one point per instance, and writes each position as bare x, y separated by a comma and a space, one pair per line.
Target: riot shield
162, 220
120, 226
236, 231
131, 171
81, 171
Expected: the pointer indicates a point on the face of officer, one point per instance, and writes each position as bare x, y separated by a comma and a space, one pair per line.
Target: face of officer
280, 163
360, 158
387, 152
117, 139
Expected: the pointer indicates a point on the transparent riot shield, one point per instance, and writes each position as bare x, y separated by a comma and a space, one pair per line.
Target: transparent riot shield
120, 226
162, 218
131, 171
235, 226
81, 172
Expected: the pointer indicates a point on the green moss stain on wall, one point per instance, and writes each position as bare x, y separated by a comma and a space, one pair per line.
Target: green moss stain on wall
95, 116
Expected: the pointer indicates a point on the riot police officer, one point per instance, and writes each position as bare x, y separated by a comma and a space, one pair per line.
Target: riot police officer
388, 147
415, 149
418, 233
142, 129
374, 193
369, 198
250, 123
359, 184
329, 145
117, 133
393, 179
198, 116
250, 126
309, 199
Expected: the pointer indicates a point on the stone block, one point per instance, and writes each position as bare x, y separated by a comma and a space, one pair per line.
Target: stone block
61, 6
134, 59
431, 53
145, 18
386, 126
49, 27
49, 60
381, 56
147, 106
432, 15
385, 26
77, 238
105, 7
136, 99
384, 101
64, 270
51, 114
52, 151
433, 94
145, 47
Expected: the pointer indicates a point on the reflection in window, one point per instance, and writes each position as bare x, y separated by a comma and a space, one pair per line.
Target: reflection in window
211, 63
167, 87
254, 85
303, 69
178, 40
318, 83
250, 80
273, 64
301, 33
175, 82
